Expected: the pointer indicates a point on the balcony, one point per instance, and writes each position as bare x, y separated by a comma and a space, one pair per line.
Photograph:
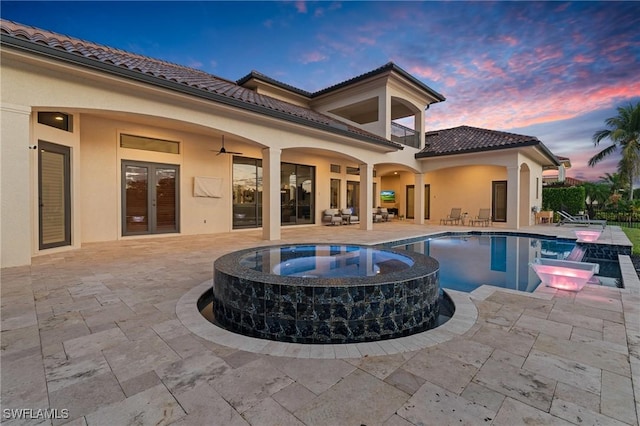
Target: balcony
404, 135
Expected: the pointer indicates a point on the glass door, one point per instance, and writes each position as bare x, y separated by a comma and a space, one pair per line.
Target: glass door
150, 198
410, 203
499, 200
297, 189
353, 196
427, 198
247, 192
54, 195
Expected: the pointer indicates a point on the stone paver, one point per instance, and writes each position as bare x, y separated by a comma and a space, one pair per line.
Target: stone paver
110, 332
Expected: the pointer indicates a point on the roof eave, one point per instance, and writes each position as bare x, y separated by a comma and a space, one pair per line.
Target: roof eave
533, 142
389, 67
61, 55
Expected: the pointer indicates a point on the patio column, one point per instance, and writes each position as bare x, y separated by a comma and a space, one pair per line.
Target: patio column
271, 194
384, 115
420, 127
418, 199
366, 197
513, 197
18, 160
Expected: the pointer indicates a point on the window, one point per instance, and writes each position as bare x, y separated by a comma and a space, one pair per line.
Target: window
58, 120
149, 144
335, 168
247, 192
335, 193
353, 171
297, 194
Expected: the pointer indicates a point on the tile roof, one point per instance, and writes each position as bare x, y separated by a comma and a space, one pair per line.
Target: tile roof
466, 139
172, 76
389, 66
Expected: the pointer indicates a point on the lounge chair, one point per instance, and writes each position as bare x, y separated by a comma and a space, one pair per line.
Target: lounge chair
454, 217
483, 218
567, 219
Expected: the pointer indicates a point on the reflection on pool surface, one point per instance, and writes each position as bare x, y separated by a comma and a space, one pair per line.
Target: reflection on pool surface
325, 261
470, 261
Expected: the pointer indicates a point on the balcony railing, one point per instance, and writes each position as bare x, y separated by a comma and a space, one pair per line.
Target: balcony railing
404, 135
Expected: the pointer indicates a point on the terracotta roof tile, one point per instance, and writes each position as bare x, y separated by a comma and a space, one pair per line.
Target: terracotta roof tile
471, 139
190, 77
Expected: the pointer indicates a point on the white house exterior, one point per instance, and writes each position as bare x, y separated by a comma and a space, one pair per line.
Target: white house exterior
99, 144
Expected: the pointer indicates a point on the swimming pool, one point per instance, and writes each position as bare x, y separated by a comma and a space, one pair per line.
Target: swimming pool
468, 261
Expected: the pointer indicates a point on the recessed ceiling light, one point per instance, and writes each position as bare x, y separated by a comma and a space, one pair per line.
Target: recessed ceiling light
59, 117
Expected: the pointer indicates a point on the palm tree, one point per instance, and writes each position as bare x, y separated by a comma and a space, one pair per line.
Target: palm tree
615, 182
622, 130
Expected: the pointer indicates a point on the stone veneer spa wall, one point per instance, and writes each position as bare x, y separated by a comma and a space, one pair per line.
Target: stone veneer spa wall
397, 297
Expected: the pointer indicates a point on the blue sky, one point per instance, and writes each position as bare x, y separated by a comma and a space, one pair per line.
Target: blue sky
555, 70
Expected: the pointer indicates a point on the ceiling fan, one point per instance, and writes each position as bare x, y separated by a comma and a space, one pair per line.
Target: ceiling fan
224, 151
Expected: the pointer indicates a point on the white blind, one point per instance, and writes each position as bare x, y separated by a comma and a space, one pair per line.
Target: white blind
53, 205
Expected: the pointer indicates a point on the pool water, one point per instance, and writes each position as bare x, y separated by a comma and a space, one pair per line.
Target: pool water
325, 261
470, 261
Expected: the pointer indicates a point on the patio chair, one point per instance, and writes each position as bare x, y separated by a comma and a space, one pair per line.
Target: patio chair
348, 217
483, 218
453, 218
332, 217
386, 216
567, 219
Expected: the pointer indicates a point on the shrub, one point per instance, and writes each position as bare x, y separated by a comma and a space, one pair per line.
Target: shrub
569, 199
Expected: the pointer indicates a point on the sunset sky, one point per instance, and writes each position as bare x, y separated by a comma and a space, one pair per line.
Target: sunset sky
554, 70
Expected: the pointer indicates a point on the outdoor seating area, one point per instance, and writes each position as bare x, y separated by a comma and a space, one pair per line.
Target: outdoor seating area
545, 216
339, 217
580, 219
483, 218
454, 218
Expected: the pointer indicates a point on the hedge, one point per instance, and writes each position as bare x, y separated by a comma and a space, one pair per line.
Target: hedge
569, 199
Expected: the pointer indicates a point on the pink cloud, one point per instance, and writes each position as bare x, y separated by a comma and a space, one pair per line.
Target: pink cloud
582, 59
301, 6
488, 66
366, 40
424, 72
510, 40
312, 57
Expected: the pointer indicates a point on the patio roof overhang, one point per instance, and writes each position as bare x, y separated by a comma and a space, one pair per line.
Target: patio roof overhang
40, 49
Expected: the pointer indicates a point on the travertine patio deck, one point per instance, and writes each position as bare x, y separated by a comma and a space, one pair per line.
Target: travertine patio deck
95, 332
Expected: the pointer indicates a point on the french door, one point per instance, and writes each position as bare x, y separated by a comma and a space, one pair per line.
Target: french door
54, 195
150, 198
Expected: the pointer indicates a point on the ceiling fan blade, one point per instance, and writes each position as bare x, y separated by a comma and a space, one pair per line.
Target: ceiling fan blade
224, 151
